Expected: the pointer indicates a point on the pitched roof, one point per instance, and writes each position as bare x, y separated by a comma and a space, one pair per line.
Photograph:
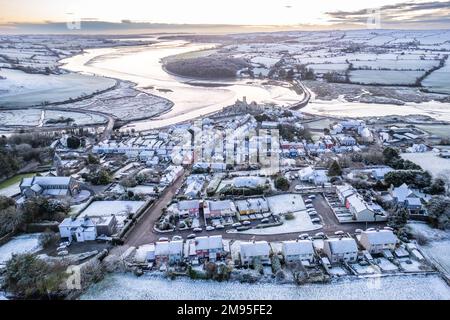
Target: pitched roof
208, 243
379, 237
291, 248
342, 245
254, 249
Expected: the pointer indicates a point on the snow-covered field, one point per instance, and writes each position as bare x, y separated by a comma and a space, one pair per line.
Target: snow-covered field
42, 118
439, 81
439, 247
150, 287
20, 89
27, 243
286, 203
342, 108
430, 161
385, 77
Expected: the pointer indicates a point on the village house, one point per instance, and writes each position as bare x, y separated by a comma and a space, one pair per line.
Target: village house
49, 187
188, 208
210, 248
340, 249
257, 250
300, 250
79, 230
252, 206
170, 252
218, 209
407, 198
376, 241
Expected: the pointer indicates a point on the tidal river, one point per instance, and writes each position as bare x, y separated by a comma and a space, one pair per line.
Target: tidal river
143, 66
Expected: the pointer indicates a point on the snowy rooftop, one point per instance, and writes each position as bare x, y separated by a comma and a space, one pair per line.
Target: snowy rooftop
300, 247
342, 245
254, 249
379, 237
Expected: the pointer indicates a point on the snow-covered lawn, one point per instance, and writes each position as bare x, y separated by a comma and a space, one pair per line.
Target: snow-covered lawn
142, 190
107, 208
286, 203
386, 265
27, 243
430, 161
439, 247
153, 287
361, 270
10, 187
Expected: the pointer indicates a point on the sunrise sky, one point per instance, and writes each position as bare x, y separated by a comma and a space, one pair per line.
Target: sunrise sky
426, 14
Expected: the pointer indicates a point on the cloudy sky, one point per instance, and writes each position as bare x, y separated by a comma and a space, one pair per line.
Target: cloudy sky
320, 13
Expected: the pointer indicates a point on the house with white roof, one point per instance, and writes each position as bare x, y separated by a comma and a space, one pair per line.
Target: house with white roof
209, 247
252, 206
188, 208
80, 230
217, 209
345, 191
300, 250
376, 241
249, 251
340, 249
169, 251
407, 198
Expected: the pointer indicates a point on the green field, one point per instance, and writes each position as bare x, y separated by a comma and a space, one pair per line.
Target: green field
14, 180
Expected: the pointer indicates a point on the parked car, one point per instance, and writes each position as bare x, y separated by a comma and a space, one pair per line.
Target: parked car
246, 223
176, 238
163, 239
298, 188
315, 220
309, 206
198, 230
220, 227
320, 235
303, 236
210, 228
191, 236
308, 201
265, 220
236, 225
312, 197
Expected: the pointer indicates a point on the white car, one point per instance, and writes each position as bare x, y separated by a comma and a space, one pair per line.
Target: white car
308, 201
312, 197
266, 220
176, 238
220, 227
315, 220
163, 239
191, 236
309, 206
210, 228
198, 230
236, 225
246, 223
298, 188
